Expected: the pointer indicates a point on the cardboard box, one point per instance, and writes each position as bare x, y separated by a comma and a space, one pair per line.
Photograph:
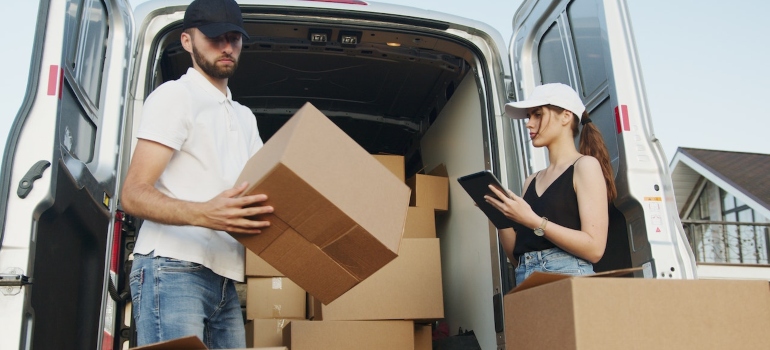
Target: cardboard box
265, 332
409, 288
191, 343
430, 190
420, 223
394, 163
258, 267
563, 312
423, 337
274, 297
349, 335
339, 214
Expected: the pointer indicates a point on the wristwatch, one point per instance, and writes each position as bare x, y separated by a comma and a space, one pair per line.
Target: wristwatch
540, 231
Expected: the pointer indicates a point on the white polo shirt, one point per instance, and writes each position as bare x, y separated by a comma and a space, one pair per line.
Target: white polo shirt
214, 137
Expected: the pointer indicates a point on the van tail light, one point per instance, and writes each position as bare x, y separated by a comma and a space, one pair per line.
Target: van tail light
117, 235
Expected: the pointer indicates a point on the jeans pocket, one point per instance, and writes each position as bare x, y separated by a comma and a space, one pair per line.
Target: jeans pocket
563, 263
176, 265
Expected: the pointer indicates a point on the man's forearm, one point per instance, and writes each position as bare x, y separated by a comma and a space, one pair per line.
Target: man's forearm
146, 202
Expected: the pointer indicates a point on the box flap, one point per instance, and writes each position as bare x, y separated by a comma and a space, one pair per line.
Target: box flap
538, 278
188, 343
439, 170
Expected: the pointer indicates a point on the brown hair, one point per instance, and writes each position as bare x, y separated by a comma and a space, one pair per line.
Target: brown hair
592, 144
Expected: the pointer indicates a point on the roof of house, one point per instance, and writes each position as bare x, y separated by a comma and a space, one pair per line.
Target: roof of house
745, 175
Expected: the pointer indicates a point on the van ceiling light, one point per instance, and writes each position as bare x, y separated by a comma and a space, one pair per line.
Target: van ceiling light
319, 36
352, 2
394, 44
349, 38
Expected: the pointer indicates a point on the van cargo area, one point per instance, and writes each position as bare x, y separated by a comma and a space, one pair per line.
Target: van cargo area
423, 95
404, 88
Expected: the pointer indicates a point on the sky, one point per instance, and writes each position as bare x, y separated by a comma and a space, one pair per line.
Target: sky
705, 68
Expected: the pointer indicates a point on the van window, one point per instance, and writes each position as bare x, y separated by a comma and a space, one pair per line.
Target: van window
85, 38
586, 34
86, 33
578, 29
553, 60
77, 131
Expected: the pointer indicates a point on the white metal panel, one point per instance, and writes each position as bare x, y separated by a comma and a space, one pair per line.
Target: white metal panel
456, 140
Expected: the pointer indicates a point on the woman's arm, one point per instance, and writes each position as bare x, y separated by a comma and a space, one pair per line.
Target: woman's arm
588, 243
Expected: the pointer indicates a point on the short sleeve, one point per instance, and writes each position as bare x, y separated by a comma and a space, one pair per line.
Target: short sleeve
166, 116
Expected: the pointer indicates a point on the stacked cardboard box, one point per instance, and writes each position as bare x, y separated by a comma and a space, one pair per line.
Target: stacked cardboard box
408, 288
271, 303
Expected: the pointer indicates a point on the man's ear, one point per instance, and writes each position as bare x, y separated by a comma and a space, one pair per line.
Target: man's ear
186, 41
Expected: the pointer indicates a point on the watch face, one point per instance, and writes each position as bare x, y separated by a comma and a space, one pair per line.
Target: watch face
539, 232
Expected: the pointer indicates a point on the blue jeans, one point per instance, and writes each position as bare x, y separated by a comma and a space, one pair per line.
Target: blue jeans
551, 260
173, 298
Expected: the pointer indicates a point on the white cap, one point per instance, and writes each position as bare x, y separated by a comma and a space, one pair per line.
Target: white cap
555, 94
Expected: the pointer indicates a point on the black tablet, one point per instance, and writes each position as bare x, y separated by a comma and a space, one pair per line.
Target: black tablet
477, 186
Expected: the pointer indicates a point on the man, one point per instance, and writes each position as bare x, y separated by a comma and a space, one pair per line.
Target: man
193, 141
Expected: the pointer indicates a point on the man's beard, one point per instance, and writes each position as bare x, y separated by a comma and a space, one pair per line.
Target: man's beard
212, 69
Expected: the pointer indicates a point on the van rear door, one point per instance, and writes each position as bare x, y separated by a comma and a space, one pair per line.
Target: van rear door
59, 179
589, 45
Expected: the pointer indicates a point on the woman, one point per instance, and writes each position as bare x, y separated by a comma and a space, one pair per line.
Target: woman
562, 219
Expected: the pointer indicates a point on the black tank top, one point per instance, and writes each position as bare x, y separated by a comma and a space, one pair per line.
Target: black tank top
558, 203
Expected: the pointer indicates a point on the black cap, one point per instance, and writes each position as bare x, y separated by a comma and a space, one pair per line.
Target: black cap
214, 17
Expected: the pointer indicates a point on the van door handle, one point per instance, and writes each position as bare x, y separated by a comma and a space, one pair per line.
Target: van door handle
34, 173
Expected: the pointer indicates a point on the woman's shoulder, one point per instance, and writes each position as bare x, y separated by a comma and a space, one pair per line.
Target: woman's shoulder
588, 166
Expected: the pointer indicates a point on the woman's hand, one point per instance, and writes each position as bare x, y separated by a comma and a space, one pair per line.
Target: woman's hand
513, 207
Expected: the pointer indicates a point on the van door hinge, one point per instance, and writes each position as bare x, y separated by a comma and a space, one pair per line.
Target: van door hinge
10, 280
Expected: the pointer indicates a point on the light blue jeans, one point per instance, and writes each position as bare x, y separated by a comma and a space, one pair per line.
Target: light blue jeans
551, 260
173, 298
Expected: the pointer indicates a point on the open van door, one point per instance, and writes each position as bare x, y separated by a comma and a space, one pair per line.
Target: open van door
60, 227
588, 44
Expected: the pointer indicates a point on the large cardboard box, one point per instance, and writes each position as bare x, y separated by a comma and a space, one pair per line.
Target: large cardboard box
409, 288
265, 332
339, 214
274, 297
258, 267
191, 343
420, 223
349, 335
394, 163
562, 312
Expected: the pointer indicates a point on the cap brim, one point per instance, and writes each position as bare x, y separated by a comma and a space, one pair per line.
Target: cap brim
518, 110
214, 30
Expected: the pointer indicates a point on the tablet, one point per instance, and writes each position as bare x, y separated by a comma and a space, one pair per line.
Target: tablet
477, 186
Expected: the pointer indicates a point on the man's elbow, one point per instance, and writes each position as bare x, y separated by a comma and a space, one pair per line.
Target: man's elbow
127, 201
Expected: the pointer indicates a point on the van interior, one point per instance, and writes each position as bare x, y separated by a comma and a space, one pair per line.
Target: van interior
420, 95
384, 92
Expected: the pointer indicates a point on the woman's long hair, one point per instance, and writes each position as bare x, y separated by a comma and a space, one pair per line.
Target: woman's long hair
592, 144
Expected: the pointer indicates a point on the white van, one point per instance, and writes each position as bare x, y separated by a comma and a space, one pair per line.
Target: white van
398, 80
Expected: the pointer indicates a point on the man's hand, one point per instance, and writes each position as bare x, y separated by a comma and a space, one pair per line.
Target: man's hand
226, 212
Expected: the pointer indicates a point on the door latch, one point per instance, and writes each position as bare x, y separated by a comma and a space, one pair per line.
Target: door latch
34, 173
